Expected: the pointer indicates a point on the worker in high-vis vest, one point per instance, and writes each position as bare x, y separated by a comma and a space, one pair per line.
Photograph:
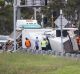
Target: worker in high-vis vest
27, 43
78, 41
43, 44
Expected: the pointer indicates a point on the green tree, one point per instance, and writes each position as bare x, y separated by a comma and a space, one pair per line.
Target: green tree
5, 18
69, 8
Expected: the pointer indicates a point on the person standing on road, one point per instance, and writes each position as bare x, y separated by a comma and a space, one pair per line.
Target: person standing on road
78, 42
27, 43
37, 43
48, 46
43, 44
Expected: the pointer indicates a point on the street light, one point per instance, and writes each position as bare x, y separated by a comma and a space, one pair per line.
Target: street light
14, 14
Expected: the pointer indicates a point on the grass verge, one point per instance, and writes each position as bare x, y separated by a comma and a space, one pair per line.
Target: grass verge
24, 63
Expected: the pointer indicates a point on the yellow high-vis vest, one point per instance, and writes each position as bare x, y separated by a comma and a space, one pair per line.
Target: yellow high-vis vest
43, 44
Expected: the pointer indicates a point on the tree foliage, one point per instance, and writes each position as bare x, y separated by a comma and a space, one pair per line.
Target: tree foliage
70, 8
5, 18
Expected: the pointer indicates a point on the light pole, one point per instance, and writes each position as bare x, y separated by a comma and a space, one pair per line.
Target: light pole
52, 17
61, 29
35, 13
42, 23
14, 14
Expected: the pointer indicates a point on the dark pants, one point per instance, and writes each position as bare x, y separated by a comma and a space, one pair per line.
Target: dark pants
0, 47
43, 48
79, 47
37, 47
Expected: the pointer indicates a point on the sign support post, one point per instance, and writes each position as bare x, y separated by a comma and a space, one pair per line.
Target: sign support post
61, 22
61, 31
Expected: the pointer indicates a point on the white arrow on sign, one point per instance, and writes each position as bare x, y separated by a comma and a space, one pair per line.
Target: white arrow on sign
58, 21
